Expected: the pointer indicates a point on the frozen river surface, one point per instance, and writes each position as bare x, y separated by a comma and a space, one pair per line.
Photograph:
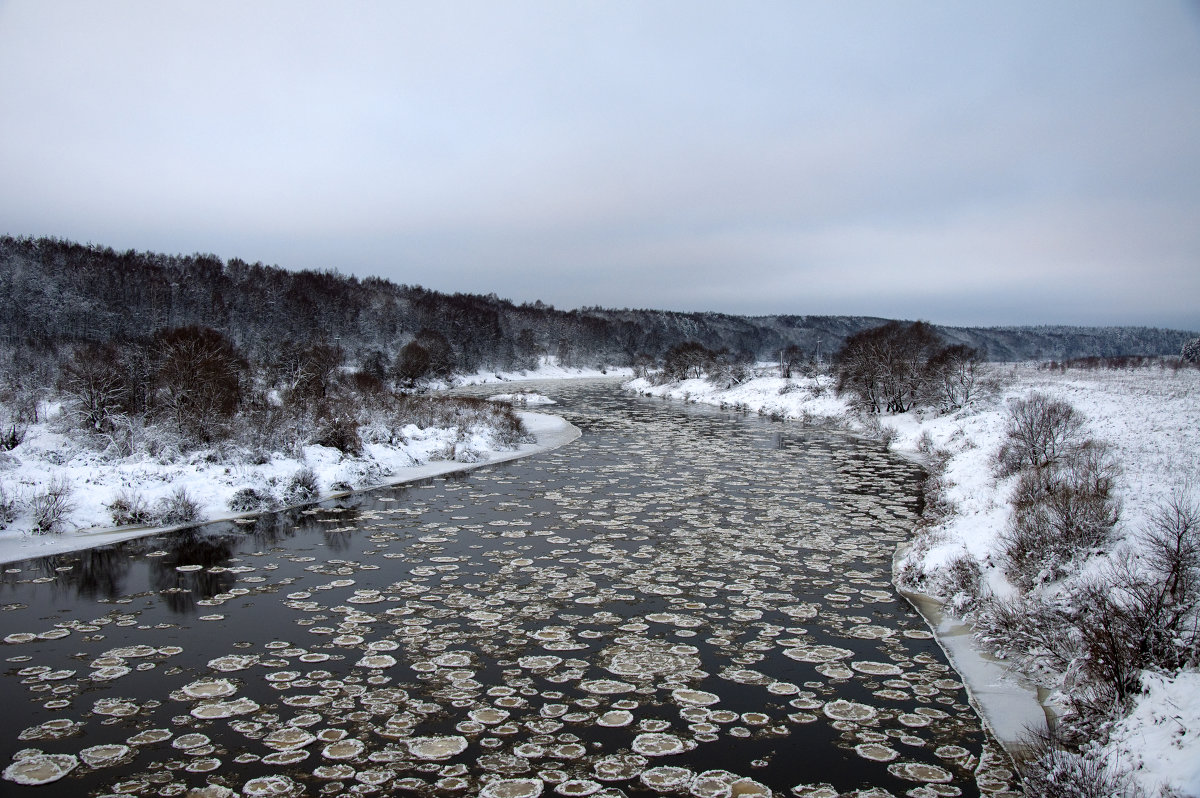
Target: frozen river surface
680, 603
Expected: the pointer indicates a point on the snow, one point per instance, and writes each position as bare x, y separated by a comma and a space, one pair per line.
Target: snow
1160, 740
96, 480
806, 398
1151, 419
522, 399
548, 369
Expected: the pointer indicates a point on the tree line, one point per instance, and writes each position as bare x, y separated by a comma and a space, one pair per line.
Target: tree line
55, 292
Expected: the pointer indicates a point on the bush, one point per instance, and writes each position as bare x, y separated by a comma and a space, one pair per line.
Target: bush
1172, 545
687, 360
961, 582
951, 377
12, 430
1191, 352
1059, 514
1144, 614
341, 433
303, 487
8, 508
177, 508
1041, 432
1048, 768
130, 509
50, 507
248, 500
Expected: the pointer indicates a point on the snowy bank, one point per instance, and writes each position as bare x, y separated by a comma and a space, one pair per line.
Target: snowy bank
425, 453
1150, 418
547, 370
810, 399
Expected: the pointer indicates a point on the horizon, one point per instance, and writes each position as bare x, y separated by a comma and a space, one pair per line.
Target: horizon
1023, 165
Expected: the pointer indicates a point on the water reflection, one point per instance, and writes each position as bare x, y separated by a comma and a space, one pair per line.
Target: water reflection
680, 601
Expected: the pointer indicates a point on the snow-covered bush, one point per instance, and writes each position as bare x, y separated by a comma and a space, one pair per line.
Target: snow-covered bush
1144, 613
12, 429
1064, 502
340, 432
1050, 769
302, 487
177, 508
50, 507
129, 508
1031, 629
249, 500
1191, 352
8, 508
961, 580
1040, 432
1061, 513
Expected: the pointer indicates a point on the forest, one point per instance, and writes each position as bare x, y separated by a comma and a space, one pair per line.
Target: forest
56, 294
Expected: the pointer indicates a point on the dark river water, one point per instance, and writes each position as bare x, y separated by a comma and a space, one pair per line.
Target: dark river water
681, 602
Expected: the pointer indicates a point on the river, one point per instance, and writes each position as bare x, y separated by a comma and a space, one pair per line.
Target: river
683, 601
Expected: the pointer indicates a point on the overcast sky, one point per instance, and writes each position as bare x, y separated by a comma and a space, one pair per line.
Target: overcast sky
962, 162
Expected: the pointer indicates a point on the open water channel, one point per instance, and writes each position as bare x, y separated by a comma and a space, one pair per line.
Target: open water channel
682, 602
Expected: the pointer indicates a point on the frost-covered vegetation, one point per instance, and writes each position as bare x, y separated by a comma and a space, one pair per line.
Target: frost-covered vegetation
59, 291
1062, 520
183, 426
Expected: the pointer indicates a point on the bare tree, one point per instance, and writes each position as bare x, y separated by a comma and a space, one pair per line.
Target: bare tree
199, 380
887, 366
95, 386
952, 376
412, 364
688, 360
1040, 434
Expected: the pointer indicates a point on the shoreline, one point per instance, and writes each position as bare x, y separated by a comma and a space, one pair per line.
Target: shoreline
550, 431
1008, 704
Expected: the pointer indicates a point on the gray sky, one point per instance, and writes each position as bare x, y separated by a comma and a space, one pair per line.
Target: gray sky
962, 162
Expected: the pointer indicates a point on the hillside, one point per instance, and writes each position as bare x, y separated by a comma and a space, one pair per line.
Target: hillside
63, 292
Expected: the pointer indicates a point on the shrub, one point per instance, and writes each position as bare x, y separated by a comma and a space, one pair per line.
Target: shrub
302, 487
199, 381
8, 508
961, 582
341, 433
50, 507
94, 385
248, 500
951, 377
1041, 432
1144, 614
687, 360
177, 508
1049, 768
1171, 542
1058, 515
1035, 630
12, 430
1191, 352
130, 509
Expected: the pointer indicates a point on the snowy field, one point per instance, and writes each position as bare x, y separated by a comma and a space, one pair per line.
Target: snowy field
1151, 419
96, 480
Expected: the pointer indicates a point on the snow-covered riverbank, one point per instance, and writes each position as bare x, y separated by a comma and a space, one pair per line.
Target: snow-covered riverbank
95, 480
1150, 418
548, 370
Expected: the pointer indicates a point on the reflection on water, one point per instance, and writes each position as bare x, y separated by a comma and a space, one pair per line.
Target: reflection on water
679, 603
